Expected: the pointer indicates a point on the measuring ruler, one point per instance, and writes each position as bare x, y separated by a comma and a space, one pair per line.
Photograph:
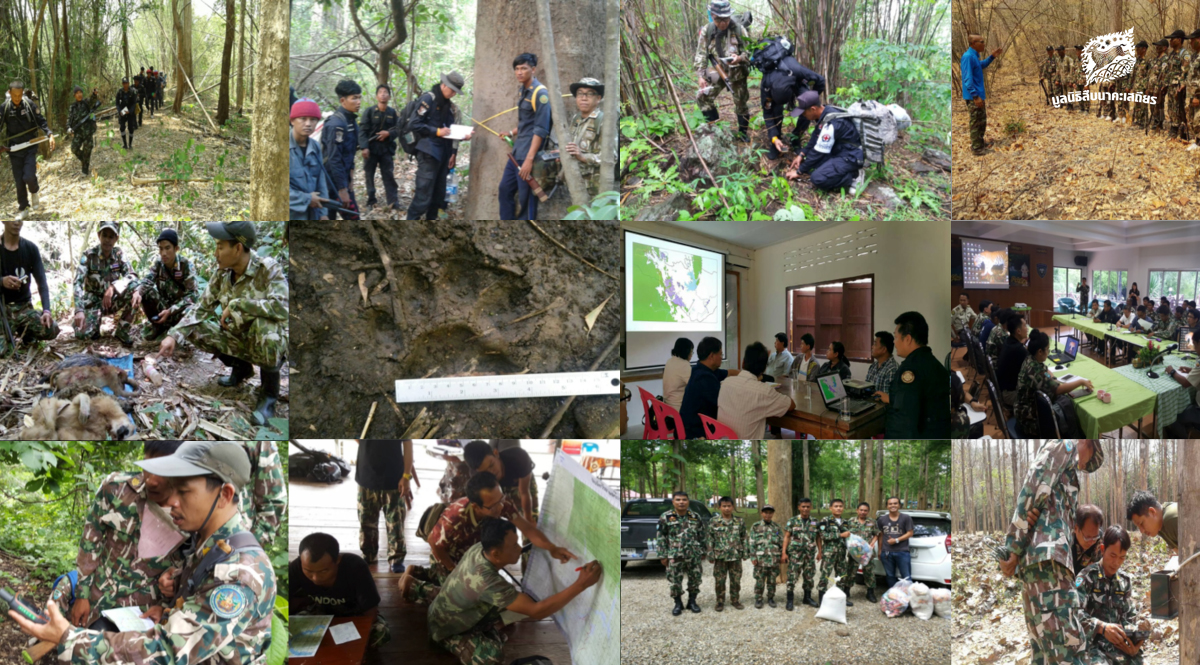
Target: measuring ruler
459, 388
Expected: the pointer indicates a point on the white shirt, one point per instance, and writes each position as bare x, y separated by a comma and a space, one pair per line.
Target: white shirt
745, 403
1125, 319
675, 379
779, 363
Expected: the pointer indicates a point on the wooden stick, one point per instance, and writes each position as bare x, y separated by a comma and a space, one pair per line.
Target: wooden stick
370, 417
564, 248
397, 309
683, 119
562, 410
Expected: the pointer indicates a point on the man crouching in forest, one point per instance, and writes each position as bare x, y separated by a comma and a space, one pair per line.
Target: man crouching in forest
252, 328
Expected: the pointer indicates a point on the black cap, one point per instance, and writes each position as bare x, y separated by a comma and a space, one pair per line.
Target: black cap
1195, 35
1161, 42
1077, 47
1141, 44
1178, 34
125, 80
1049, 48
169, 235
1061, 48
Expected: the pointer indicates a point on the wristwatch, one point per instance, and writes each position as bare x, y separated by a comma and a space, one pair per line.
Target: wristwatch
407, 476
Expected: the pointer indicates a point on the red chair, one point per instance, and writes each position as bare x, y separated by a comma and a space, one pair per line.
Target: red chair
652, 420
715, 429
669, 420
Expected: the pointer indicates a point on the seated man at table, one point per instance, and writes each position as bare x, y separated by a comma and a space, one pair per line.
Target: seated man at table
1127, 315
1165, 327
1012, 356
987, 321
1188, 377
700, 396
1180, 316
781, 359
987, 311
805, 366
961, 316
1034, 377
746, 402
1094, 310
677, 371
330, 582
999, 334
883, 367
836, 363
465, 615
1107, 315
1193, 327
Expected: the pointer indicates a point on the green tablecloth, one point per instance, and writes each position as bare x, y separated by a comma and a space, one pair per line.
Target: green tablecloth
1130, 401
1137, 340
1083, 323
1172, 397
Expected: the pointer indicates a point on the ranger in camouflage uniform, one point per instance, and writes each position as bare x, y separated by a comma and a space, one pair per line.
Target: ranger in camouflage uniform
1158, 73
962, 314
996, 338
1060, 72
1176, 67
168, 289
81, 125
724, 37
833, 534
1039, 547
766, 546
1164, 326
1079, 79
868, 529
222, 613
264, 500
252, 329
726, 549
1109, 608
800, 552
1068, 74
99, 271
1086, 547
682, 542
1191, 98
111, 572
1140, 83
1048, 71
586, 126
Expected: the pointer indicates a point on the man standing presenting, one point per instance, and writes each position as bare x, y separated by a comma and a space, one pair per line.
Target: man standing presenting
682, 541
973, 90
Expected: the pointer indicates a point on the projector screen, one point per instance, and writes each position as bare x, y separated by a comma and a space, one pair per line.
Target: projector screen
672, 290
985, 264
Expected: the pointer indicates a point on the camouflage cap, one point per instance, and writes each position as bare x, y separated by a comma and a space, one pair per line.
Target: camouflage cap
588, 82
243, 232
720, 9
768, 507
225, 459
115, 226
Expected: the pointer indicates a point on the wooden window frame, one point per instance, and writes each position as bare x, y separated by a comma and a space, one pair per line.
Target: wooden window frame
793, 345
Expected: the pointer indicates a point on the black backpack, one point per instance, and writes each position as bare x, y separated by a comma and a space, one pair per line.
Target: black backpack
771, 52
407, 140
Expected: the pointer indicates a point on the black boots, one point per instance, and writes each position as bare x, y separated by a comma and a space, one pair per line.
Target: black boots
848, 603
242, 370
692, 603
791, 597
771, 601
743, 128
712, 115
871, 594
808, 600
265, 410
678, 606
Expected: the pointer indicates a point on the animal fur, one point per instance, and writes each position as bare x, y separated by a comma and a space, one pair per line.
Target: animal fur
85, 370
83, 418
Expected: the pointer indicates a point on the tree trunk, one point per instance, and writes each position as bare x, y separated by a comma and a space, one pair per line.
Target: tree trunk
1016, 486
898, 456
241, 74
226, 62
1144, 472
502, 30
1003, 496
862, 468
33, 44
923, 495
562, 123
878, 473
1189, 543
807, 488
758, 471
869, 471
49, 103
183, 66
269, 136
779, 475
612, 106
970, 489
990, 515
66, 30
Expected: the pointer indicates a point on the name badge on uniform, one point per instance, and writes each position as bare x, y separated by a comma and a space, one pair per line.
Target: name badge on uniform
825, 143
178, 274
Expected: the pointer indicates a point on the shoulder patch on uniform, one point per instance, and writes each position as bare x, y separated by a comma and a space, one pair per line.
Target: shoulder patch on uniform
228, 601
337, 137
908, 376
542, 99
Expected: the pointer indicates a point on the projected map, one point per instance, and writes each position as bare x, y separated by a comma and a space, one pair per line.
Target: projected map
674, 286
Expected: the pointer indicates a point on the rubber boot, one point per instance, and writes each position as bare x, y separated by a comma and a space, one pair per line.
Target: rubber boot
720, 603
758, 603
743, 128
848, 603
265, 409
791, 597
771, 601
242, 370
712, 115
808, 599
871, 594
692, 603
678, 606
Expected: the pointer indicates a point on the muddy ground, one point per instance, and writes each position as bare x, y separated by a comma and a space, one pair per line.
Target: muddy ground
467, 278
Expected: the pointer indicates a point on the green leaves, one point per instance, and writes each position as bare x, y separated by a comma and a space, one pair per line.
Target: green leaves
605, 206
278, 650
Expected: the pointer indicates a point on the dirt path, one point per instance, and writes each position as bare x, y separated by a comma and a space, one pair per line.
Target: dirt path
406, 177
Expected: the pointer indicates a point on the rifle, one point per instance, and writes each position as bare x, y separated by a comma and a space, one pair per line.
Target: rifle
720, 72
338, 207
1045, 92
533, 184
90, 116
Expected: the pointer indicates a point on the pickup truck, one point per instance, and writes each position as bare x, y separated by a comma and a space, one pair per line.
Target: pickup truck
639, 527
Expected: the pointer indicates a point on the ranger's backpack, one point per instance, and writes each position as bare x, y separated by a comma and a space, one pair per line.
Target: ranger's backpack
771, 52
408, 141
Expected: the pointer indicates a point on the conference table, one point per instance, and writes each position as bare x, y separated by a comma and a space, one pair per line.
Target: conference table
1107, 332
1172, 398
347, 653
1130, 401
811, 416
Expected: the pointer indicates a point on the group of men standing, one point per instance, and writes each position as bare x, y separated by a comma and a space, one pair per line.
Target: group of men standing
1171, 76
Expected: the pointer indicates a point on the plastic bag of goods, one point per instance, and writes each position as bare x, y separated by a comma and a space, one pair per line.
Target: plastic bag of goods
833, 604
941, 602
858, 549
895, 600
920, 601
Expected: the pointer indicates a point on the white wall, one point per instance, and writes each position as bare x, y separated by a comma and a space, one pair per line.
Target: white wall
1139, 261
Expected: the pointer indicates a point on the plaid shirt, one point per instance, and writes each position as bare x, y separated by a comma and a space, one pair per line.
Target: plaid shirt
882, 374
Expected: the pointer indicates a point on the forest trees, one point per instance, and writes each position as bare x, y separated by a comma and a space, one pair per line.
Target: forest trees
269, 140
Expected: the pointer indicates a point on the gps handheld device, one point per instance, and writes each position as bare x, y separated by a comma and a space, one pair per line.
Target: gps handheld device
21, 607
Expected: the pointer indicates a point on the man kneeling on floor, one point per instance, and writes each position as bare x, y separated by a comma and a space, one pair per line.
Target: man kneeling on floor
464, 617
834, 154
330, 582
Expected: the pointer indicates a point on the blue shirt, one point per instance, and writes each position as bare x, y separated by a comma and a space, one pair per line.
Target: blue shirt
700, 396
306, 175
985, 330
531, 123
972, 74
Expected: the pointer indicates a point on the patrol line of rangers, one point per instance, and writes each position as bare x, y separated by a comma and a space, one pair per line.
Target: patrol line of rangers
1169, 80
210, 594
684, 542
20, 119
322, 175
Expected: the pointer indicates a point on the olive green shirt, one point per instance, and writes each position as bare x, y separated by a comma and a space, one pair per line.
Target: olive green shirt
1170, 525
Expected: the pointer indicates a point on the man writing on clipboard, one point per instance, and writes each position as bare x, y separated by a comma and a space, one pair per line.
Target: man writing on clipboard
436, 152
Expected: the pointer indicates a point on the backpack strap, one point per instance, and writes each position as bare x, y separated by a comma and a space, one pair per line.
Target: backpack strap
242, 540
533, 98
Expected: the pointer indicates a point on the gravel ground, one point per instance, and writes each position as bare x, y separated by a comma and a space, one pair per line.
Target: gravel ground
651, 636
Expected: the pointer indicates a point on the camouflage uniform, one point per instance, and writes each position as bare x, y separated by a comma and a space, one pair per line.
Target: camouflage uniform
456, 531
81, 136
1032, 377
111, 574
1192, 114
1081, 558
1049, 72
977, 119
1081, 85
585, 133
801, 552
25, 321
264, 501
226, 621
1108, 600
995, 343
1052, 606
370, 503
172, 289
834, 562
1165, 329
961, 316
1068, 76
1175, 69
1056, 82
766, 545
1158, 72
867, 530
1141, 83
683, 540
92, 279
257, 327
464, 616
726, 549
723, 45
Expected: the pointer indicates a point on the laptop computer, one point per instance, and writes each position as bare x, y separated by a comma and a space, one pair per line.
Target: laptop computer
834, 394
1070, 350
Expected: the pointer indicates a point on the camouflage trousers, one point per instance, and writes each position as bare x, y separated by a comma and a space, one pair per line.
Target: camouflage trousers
478, 646
1193, 117
263, 342
428, 583
1140, 115
1052, 612
153, 304
978, 124
1174, 110
802, 564
732, 570
764, 575
676, 571
1156, 113
835, 564
81, 147
1103, 652
370, 503
741, 94
1085, 106
93, 311
381, 633
26, 323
